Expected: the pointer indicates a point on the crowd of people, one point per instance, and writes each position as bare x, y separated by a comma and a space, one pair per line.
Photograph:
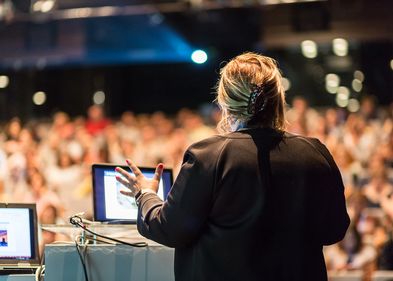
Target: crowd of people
49, 163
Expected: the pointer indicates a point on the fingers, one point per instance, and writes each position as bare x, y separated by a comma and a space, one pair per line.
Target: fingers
127, 193
134, 168
125, 174
123, 181
158, 173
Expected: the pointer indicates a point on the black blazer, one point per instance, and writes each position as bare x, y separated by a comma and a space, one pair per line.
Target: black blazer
250, 205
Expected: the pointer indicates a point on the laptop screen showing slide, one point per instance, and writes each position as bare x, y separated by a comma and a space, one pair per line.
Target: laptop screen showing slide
18, 236
112, 206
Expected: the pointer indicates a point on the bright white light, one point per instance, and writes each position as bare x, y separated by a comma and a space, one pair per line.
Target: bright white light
43, 6
358, 75
332, 81
309, 49
357, 85
343, 91
340, 47
39, 98
342, 100
4, 81
391, 64
330, 89
47, 6
37, 6
99, 97
286, 83
199, 56
353, 105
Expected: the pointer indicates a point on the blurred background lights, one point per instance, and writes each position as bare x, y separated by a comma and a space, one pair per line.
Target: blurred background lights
99, 97
309, 49
39, 98
340, 47
47, 6
286, 83
43, 6
357, 85
4, 81
332, 81
358, 75
391, 64
37, 6
342, 100
199, 56
353, 105
343, 91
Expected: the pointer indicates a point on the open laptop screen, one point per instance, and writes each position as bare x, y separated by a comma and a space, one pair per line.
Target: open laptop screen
112, 206
18, 234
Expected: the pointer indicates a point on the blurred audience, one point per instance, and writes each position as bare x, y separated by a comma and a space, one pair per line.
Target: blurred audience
49, 163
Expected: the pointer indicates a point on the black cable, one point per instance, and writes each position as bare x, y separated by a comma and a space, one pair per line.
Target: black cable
92, 238
77, 221
82, 261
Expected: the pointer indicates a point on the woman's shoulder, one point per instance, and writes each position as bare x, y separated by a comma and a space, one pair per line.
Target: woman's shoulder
208, 144
308, 141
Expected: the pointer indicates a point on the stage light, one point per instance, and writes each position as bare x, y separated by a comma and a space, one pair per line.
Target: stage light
39, 98
37, 6
199, 56
332, 82
47, 6
99, 97
357, 85
358, 75
342, 100
353, 105
43, 6
309, 49
286, 83
343, 91
340, 47
4, 81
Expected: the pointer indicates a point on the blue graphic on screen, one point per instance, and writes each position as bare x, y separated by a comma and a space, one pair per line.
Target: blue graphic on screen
16, 240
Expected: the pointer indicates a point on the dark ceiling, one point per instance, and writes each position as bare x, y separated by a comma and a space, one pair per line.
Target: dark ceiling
138, 49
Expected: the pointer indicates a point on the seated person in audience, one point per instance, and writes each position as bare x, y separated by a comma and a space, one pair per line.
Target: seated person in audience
378, 188
385, 258
350, 253
40, 194
49, 215
96, 121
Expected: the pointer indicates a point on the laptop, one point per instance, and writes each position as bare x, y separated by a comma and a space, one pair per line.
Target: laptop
109, 204
18, 238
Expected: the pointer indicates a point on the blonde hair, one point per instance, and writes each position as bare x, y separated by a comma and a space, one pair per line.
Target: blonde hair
238, 79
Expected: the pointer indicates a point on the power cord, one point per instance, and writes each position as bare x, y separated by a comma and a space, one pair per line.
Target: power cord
78, 221
82, 259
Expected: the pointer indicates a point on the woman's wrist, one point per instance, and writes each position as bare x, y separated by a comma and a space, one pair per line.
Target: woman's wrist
143, 191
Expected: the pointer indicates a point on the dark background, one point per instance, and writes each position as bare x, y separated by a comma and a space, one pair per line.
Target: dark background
140, 58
